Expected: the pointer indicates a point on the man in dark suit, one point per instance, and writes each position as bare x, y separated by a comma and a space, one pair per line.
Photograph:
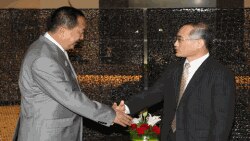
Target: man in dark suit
198, 99
52, 104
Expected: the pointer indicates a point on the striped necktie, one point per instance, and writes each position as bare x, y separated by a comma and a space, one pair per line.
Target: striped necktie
182, 89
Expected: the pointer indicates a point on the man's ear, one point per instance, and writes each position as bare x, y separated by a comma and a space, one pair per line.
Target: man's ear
201, 43
61, 31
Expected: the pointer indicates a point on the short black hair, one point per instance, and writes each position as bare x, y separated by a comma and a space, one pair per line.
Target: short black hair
66, 16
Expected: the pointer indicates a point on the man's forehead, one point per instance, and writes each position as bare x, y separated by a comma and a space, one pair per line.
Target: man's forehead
82, 21
185, 29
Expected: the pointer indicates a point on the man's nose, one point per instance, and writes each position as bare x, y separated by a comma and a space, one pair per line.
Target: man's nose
175, 43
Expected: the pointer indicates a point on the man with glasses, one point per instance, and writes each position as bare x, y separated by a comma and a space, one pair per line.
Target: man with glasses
198, 92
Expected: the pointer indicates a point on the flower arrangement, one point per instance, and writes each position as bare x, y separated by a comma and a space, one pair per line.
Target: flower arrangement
144, 128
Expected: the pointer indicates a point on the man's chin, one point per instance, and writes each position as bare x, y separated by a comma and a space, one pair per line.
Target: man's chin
177, 55
180, 55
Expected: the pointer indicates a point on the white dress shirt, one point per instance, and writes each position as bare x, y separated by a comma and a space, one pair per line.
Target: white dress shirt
194, 65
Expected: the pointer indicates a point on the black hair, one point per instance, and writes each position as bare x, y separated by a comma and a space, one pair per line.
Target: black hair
66, 16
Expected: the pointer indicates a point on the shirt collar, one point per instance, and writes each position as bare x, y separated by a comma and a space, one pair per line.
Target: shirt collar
54, 41
195, 64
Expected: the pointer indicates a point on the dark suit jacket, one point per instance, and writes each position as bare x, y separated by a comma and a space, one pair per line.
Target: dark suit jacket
206, 110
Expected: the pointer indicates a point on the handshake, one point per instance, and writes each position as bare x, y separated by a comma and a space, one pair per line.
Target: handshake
121, 117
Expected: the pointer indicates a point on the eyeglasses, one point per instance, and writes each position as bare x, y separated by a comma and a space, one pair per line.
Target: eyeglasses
180, 39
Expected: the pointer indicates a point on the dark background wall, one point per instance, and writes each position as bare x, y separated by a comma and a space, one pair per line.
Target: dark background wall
110, 62
230, 3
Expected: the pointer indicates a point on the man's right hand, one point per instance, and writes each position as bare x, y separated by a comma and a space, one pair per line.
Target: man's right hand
122, 119
120, 107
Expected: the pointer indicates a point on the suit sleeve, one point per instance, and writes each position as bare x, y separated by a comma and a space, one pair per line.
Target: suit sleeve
146, 99
223, 105
50, 78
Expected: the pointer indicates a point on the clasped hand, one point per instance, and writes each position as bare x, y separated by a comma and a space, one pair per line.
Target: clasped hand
121, 118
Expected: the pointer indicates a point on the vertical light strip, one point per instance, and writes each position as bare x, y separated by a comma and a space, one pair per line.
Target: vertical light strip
145, 48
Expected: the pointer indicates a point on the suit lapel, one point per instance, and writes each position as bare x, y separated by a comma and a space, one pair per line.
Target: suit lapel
66, 62
73, 73
177, 80
195, 80
62, 59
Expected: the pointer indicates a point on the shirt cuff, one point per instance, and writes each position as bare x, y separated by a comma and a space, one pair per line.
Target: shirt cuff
127, 111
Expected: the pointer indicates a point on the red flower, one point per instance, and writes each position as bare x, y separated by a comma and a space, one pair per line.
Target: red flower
141, 127
156, 129
141, 130
144, 125
133, 126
